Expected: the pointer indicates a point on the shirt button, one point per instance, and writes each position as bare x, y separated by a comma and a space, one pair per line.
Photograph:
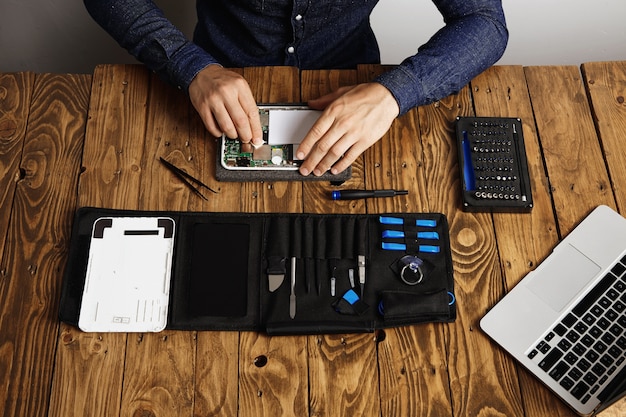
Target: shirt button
299, 17
291, 49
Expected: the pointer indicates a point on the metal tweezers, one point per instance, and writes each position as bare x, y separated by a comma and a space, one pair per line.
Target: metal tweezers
187, 179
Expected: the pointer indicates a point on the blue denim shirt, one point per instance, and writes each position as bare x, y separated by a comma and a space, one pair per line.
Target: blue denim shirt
310, 35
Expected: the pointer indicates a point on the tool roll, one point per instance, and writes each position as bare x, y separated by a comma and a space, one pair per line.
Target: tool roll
278, 273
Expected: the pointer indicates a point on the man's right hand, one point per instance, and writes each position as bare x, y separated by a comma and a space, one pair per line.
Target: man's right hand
225, 103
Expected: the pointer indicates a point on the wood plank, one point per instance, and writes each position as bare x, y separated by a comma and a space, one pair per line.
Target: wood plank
477, 384
15, 95
36, 252
280, 387
111, 178
411, 359
343, 374
577, 174
164, 385
523, 239
605, 83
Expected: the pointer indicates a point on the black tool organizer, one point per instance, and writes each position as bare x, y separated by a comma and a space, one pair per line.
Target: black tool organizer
493, 164
221, 264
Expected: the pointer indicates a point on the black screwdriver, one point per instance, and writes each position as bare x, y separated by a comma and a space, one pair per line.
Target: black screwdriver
356, 194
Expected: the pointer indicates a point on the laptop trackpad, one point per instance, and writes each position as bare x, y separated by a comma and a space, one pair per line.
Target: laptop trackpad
562, 277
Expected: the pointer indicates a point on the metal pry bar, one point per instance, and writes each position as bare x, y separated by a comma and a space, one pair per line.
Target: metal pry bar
361, 264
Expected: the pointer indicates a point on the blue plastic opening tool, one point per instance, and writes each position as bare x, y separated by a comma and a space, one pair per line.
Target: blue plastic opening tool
399, 234
402, 246
399, 220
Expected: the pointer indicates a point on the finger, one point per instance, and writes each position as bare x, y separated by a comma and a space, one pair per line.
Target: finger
224, 121
318, 130
326, 151
254, 120
340, 156
241, 123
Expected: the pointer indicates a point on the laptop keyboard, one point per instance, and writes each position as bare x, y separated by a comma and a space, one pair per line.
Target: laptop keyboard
588, 345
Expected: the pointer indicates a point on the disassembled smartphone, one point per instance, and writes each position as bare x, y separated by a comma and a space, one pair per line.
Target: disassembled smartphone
284, 127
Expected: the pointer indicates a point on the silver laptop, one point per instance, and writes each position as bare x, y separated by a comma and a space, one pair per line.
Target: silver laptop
565, 321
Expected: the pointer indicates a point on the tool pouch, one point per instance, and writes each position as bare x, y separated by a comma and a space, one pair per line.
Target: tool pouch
232, 271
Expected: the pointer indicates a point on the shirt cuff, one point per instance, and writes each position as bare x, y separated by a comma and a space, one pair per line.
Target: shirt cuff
404, 87
186, 63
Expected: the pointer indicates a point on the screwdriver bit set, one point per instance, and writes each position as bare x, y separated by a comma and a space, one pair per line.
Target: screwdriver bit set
493, 164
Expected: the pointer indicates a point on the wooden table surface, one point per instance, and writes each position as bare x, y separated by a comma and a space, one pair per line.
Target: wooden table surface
68, 141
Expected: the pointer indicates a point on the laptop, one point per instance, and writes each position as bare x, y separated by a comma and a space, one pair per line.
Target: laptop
565, 321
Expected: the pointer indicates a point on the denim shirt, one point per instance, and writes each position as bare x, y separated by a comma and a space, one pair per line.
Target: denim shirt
309, 34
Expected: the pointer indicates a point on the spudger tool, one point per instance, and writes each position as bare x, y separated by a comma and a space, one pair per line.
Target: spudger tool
187, 179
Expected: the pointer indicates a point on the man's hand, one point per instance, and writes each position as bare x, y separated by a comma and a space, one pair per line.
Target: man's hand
225, 103
354, 118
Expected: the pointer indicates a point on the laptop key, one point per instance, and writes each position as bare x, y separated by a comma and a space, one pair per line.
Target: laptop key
560, 329
589, 319
575, 374
571, 358
587, 340
569, 320
572, 336
590, 378
584, 365
615, 352
564, 345
579, 390
598, 369
559, 371
618, 269
550, 359
567, 383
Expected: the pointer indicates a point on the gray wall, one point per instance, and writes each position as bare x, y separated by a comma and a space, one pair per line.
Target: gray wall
59, 35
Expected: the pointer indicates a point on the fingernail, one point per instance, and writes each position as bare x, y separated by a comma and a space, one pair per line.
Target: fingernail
304, 171
300, 155
317, 172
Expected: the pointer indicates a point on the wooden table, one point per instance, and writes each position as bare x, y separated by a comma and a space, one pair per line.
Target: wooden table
68, 141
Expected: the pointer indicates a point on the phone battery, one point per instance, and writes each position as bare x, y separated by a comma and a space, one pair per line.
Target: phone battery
493, 164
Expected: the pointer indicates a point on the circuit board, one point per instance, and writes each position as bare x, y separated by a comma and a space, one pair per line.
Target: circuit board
238, 155
241, 155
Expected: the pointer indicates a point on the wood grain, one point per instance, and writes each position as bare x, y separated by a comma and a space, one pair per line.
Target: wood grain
164, 385
479, 380
605, 83
577, 174
38, 232
112, 155
523, 239
15, 97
